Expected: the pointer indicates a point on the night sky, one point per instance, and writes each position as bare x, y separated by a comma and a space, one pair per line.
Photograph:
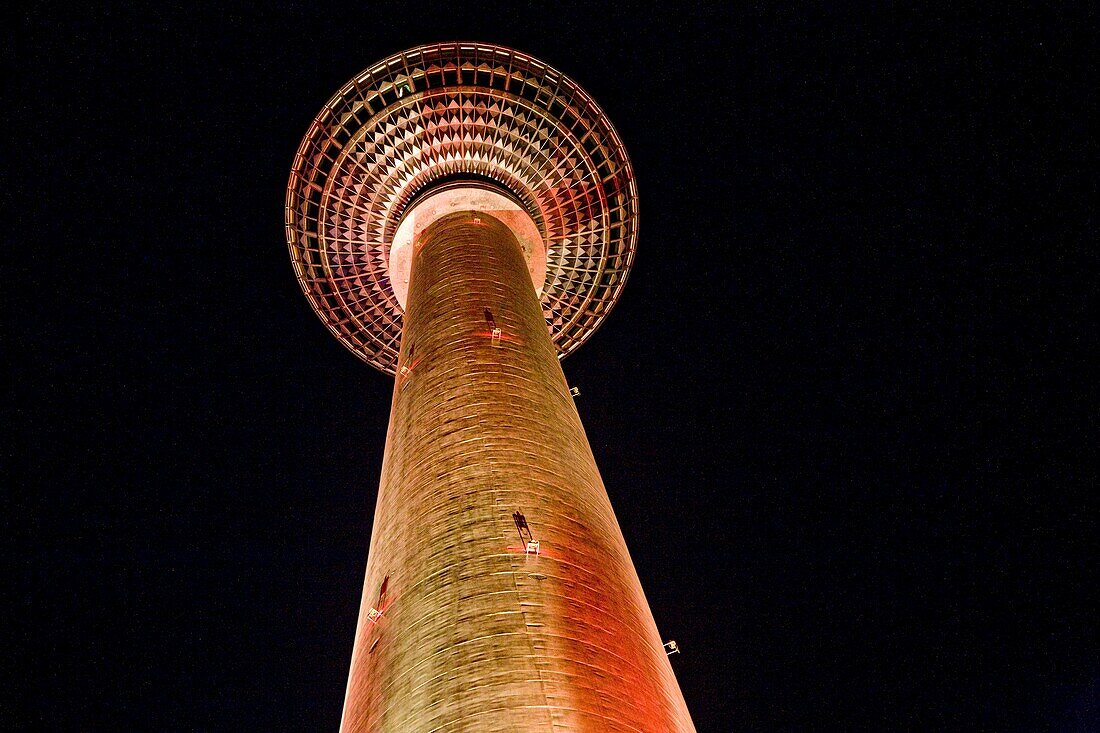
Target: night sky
843, 409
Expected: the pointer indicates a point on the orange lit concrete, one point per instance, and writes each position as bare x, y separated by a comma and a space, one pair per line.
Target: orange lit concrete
472, 633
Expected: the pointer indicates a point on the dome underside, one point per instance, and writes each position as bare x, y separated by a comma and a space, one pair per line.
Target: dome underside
445, 112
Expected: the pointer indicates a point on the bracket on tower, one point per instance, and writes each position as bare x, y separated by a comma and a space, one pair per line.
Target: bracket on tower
522, 527
525, 536
494, 329
575, 391
407, 367
671, 647
376, 611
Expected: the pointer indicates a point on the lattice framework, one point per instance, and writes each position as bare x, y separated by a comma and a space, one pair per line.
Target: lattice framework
448, 111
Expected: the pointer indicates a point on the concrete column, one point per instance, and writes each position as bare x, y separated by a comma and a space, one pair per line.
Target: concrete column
473, 633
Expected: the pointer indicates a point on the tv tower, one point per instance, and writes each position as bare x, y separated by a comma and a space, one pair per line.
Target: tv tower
462, 216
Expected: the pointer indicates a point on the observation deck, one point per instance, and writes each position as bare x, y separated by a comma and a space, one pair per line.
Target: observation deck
472, 115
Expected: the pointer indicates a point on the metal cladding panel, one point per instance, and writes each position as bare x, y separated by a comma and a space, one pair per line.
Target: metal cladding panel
461, 629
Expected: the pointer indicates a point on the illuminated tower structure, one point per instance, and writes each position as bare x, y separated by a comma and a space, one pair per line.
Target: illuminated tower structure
462, 216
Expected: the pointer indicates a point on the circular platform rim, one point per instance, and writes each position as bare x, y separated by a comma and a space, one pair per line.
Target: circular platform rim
581, 324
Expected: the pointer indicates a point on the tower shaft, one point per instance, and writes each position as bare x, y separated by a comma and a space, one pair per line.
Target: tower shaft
465, 624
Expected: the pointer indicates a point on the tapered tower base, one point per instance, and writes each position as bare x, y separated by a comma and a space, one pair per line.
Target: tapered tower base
499, 595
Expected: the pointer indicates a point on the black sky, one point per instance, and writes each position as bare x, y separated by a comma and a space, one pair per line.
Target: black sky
844, 408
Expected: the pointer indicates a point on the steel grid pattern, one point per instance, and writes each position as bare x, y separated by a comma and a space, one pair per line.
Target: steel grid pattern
446, 111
